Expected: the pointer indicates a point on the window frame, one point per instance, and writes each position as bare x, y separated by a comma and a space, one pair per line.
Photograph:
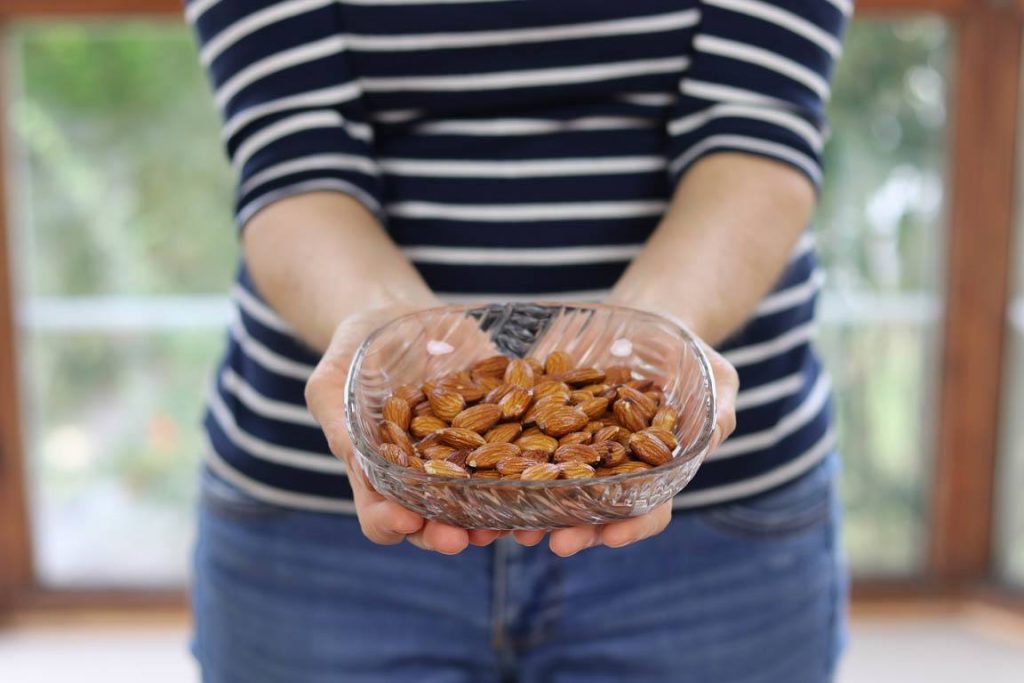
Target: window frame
986, 72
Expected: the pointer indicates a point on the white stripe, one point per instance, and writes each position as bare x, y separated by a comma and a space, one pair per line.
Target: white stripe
278, 61
264, 450
583, 296
502, 256
792, 296
314, 162
764, 58
310, 120
715, 92
327, 97
780, 17
755, 353
844, 6
756, 145
648, 99
527, 168
316, 185
782, 118
748, 487
258, 403
270, 360
767, 393
254, 308
370, 3
807, 411
254, 22
437, 41
803, 245
567, 211
197, 8
525, 79
396, 115
276, 496
500, 127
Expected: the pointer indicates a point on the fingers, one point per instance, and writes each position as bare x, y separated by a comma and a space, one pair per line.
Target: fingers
441, 538
566, 542
727, 383
628, 531
529, 538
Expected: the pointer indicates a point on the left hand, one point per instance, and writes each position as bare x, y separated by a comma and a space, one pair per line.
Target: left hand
566, 542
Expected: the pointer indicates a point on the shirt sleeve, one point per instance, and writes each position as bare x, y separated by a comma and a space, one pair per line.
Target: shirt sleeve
758, 82
294, 120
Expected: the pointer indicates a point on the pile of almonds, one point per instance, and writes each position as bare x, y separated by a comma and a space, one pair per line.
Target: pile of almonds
519, 419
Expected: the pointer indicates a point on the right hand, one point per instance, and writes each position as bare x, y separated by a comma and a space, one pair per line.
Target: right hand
382, 521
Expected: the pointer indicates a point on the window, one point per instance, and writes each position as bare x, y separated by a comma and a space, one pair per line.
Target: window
125, 248
881, 239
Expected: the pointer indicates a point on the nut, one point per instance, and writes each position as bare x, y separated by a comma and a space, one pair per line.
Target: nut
574, 469
617, 374
488, 455
611, 453
649, 448
648, 407
629, 415
446, 404
560, 420
514, 403
665, 436
410, 394
486, 474
424, 425
542, 471
494, 366
514, 465
576, 437
397, 410
415, 464
551, 388
520, 373
392, 433
558, 362
443, 468
394, 454
437, 452
537, 442
577, 451
479, 418
582, 376
665, 418
459, 457
504, 433
460, 437
594, 407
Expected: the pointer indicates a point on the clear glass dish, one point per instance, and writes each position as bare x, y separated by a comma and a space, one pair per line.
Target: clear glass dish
431, 343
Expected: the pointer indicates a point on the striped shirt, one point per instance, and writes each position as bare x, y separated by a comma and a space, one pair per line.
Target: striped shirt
515, 150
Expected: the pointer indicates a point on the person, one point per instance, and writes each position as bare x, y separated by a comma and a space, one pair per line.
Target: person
395, 154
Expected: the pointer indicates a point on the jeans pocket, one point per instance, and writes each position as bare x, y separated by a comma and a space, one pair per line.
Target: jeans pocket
225, 499
790, 509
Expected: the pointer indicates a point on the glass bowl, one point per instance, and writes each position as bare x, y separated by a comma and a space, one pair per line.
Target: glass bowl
434, 342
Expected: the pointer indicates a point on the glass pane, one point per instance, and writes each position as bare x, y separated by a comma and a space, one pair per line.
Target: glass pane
881, 238
126, 249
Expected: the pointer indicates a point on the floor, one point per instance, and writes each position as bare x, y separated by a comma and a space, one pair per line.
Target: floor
883, 650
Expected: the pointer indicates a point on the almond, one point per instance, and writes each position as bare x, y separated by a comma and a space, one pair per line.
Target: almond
665, 418
577, 397
594, 407
488, 455
410, 394
459, 457
425, 425
443, 468
582, 376
595, 389
640, 384
647, 406
479, 418
537, 456
611, 453
560, 420
394, 454
612, 433
493, 365
558, 362
551, 388
470, 391
649, 448
656, 397
514, 465
629, 415
519, 373
392, 433
437, 452
542, 404
397, 410
574, 469
577, 451
415, 464
446, 404
535, 365
542, 471
576, 437
513, 404
489, 382
460, 437
593, 426
629, 466
617, 374
499, 392
423, 408
664, 435
532, 431
504, 433
537, 442
486, 474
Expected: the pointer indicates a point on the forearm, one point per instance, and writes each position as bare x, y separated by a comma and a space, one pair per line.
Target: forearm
321, 257
723, 243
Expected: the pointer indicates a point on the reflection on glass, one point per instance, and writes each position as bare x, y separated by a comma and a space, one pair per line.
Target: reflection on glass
126, 248
881, 240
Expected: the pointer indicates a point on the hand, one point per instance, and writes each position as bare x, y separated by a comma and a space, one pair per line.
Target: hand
382, 521
566, 542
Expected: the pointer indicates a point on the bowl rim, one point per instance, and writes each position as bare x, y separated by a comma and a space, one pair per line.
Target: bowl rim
363, 449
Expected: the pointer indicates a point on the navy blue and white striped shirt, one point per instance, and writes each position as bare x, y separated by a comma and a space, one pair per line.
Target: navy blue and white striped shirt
515, 149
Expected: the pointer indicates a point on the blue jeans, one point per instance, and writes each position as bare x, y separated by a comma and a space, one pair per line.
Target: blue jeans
752, 592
